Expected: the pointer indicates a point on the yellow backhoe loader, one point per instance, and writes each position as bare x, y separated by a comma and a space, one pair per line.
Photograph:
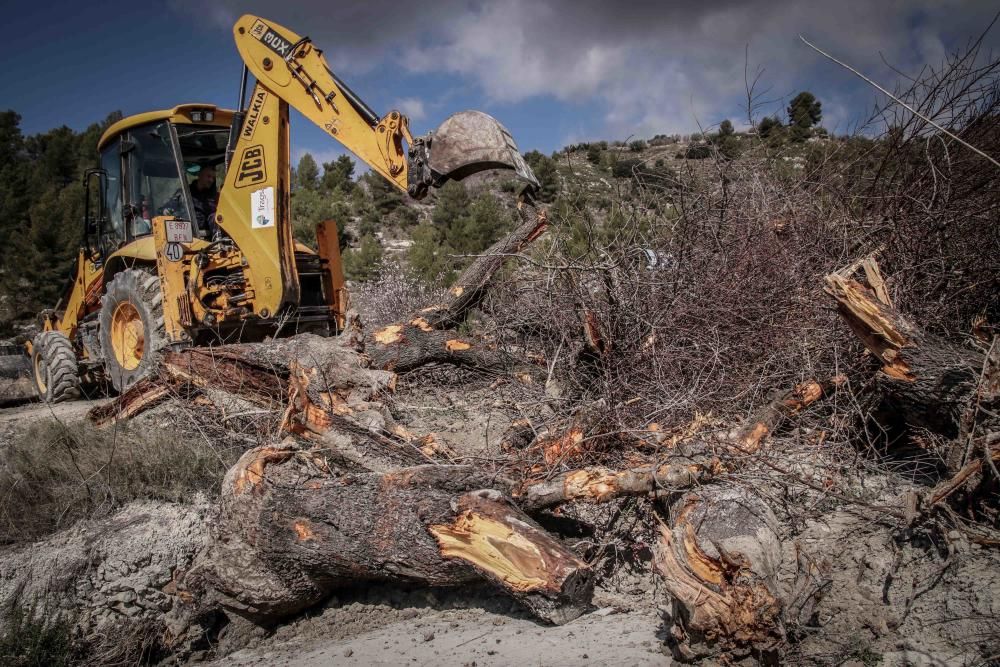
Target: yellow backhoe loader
157, 268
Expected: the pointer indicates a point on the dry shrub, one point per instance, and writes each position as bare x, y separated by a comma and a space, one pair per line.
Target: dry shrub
393, 292
930, 204
56, 473
700, 301
701, 290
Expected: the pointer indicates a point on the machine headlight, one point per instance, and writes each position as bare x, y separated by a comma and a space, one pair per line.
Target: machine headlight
209, 116
196, 116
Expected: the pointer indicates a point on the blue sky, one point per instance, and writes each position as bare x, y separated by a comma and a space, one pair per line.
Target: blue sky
554, 72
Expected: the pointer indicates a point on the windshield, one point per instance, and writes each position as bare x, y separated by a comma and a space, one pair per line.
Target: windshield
154, 185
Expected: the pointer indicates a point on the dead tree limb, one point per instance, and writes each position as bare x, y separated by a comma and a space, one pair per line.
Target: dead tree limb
675, 472
599, 485
423, 337
471, 286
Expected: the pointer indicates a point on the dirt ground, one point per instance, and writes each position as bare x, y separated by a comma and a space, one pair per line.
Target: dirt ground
460, 627
888, 598
17, 418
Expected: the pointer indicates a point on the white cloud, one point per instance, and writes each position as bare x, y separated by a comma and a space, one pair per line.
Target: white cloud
647, 67
412, 107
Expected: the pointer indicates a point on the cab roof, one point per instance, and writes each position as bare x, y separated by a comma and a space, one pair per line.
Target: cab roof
180, 114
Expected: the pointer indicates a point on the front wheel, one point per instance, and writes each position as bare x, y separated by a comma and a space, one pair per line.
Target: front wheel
54, 367
131, 327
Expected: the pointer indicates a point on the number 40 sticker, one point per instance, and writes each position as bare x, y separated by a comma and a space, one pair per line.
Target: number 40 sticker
174, 252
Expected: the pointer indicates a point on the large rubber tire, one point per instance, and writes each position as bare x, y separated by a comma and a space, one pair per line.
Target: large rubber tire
54, 367
131, 327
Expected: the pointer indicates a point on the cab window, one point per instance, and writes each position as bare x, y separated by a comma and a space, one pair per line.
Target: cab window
154, 185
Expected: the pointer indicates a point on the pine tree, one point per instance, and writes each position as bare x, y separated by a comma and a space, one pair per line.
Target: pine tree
546, 173
429, 254
338, 174
307, 173
804, 111
363, 262
386, 196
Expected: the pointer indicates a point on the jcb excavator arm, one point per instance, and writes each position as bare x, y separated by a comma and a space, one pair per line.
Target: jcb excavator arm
254, 200
295, 70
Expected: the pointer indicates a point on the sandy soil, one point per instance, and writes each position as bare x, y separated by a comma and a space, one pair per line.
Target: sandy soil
470, 626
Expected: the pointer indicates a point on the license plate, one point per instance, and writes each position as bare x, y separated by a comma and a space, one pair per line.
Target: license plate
179, 231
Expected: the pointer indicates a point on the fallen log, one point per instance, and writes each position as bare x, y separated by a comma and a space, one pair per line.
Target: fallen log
424, 336
291, 529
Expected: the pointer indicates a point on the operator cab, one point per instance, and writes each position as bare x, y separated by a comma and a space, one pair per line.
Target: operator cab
148, 163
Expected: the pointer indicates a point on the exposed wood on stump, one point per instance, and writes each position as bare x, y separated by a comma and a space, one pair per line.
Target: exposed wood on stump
292, 529
930, 384
719, 558
500, 542
926, 380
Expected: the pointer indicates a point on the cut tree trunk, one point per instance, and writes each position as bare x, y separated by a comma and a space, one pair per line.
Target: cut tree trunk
926, 380
296, 522
719, 559
292, 529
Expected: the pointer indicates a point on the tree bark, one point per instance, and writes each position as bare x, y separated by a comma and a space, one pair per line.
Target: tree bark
292, 529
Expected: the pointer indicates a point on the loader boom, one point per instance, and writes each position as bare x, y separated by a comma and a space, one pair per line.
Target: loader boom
293, 69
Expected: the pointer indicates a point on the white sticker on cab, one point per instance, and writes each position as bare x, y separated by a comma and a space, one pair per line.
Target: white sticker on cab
262, 208
179, 231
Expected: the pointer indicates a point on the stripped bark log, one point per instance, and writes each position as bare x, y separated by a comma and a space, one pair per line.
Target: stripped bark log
292, 529
600, 485
749, 437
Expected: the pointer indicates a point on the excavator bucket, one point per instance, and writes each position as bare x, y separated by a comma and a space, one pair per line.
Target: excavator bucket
471, 141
